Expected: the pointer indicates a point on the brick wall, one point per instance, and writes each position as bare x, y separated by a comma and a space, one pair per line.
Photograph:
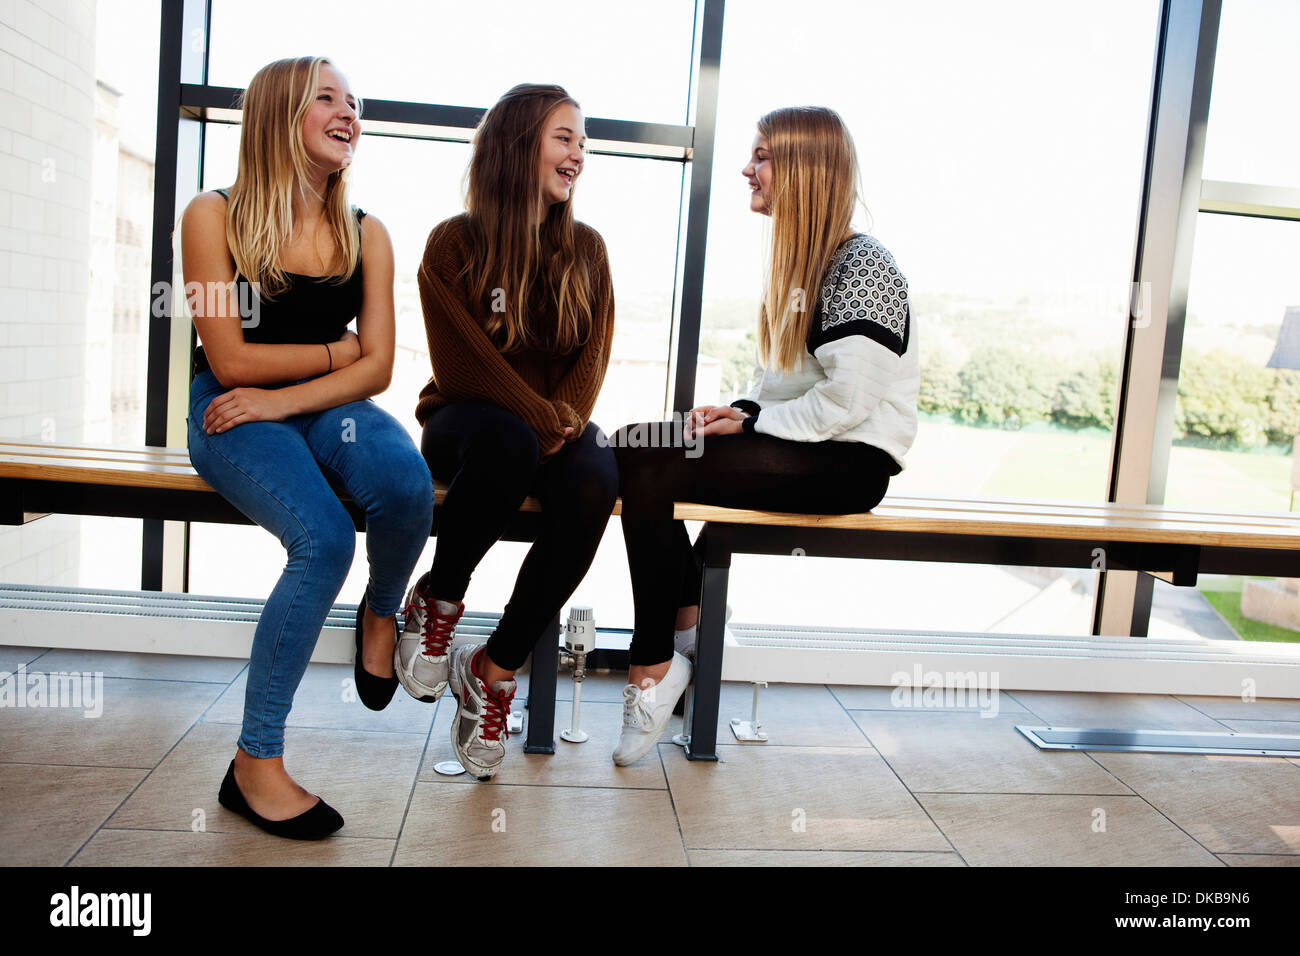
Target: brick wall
47, 86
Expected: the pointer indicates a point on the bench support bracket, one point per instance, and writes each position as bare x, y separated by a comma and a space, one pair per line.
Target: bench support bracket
708, 646
541, 689
750, 731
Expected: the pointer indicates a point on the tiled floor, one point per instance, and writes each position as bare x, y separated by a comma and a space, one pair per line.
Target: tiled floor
846, 779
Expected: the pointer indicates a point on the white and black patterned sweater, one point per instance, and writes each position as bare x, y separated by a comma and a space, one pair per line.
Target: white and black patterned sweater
860, 378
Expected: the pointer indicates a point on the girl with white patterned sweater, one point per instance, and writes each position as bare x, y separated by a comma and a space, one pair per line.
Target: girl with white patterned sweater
828, 423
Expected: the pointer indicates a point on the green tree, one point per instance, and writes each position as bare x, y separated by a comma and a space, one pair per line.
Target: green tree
1006, 386
1223, 398
1284, 406
1085, 397
941, 390
736, 353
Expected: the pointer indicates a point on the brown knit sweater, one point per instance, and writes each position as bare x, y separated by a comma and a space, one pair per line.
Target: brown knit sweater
548, 390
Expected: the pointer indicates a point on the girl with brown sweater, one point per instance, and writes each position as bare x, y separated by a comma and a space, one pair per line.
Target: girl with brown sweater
519, 312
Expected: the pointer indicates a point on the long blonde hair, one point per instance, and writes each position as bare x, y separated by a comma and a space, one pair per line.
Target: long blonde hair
508, 250
814, 195
272, 161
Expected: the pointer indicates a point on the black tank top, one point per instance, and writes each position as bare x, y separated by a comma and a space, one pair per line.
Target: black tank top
313, 310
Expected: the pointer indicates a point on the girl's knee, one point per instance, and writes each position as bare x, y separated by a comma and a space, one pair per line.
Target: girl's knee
408, 489
325, 544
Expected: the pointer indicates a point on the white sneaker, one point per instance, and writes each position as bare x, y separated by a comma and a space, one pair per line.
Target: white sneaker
646, 712
420, 658
478, 731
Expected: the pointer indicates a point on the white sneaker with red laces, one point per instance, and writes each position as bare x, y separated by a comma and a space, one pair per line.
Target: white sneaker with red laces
421, 659
478, 731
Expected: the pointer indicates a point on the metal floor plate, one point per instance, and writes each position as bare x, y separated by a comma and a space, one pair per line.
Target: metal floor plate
1163, 741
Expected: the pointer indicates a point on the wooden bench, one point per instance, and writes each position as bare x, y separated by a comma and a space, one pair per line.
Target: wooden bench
1171, 543
37, 479
1176, 544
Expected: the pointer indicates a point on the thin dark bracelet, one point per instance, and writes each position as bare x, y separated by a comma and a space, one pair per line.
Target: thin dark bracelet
331, 355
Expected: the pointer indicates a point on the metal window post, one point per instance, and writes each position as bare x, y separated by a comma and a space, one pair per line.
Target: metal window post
1144, 418
697, 214
182, 56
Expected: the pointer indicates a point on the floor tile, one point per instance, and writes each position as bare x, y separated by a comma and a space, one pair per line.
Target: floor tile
596, 687
367, 777
1229, 804
141, 720
1234, 708
901, 699
794, 715
1257, 859
171, 848
145, 666
819, 858
1059, 830
47, 813
11, 658
326, 699
588, 764
1115, 711
957, 753
539, 826
795, 798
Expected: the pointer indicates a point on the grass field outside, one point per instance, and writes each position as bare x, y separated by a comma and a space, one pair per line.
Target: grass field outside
1048, 462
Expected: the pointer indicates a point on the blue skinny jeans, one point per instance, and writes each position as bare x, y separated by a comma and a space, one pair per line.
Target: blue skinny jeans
279, 474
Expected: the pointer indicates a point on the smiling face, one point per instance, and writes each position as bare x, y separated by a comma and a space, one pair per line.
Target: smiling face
759, 175
331, 127
563, 152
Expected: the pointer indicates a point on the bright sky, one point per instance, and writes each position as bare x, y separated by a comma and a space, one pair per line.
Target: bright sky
1001, 142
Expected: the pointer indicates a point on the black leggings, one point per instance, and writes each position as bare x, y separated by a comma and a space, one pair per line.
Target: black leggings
489, 458
746, 470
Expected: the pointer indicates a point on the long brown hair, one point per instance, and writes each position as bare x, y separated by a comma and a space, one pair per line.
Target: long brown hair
508, 250
814, 194
272, 159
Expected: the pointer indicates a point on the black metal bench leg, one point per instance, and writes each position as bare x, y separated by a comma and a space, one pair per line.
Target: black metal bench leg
708, 649
541, 692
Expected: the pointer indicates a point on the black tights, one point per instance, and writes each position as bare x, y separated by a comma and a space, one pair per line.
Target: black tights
489, 457
745, 470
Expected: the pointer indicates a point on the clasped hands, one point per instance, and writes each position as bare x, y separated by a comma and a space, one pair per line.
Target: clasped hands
713, 420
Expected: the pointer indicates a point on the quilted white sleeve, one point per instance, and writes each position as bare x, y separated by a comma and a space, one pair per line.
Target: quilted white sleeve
858, 374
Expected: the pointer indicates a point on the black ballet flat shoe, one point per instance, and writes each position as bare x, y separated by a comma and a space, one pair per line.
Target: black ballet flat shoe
314, 824
375, 692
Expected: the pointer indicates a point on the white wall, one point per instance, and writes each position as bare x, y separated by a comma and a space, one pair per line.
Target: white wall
47, 58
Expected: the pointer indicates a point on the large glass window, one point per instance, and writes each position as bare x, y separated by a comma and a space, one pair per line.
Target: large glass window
1237, 419
412, 184
1251, 135
630, 61
1238, 411
1002, 161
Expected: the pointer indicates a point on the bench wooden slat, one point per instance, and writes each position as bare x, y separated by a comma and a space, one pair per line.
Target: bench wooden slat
9, 446
169, 468
973, 505
941, 521
142, 472
1040, 506
91, 460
